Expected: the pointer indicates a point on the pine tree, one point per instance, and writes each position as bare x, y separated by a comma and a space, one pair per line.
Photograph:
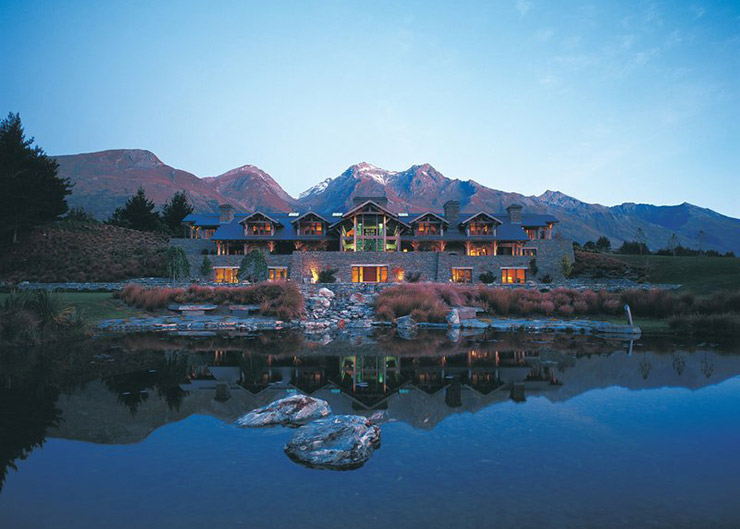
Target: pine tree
174, 211
32, 193
253, 267
138, 214
206, 268
603, 244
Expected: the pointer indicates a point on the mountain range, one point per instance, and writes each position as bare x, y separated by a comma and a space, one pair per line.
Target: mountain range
104, 180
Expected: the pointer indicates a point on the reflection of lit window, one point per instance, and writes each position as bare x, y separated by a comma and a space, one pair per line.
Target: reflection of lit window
462, 275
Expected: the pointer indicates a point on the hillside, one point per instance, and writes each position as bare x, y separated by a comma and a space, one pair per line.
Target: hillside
71, 251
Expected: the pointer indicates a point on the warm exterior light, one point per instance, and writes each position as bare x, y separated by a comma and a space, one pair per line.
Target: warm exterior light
315, 275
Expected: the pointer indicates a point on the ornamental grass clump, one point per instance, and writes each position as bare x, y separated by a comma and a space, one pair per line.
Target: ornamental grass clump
37, 317
421, 301
279, 299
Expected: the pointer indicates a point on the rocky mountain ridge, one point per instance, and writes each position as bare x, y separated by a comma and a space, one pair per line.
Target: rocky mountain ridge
104, 180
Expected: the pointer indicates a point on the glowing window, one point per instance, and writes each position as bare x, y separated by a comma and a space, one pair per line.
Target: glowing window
462, 275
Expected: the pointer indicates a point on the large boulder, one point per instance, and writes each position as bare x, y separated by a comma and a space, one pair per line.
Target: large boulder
342, 442
326, 293
291, 411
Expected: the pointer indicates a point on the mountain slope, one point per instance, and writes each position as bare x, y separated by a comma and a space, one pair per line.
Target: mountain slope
252, 189
104, 180
422, 187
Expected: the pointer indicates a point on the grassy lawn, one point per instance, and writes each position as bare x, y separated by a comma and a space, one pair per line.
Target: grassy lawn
646, 325
97, 306
700, 275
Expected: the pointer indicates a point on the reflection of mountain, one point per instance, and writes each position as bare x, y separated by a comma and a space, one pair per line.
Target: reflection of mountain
418, 390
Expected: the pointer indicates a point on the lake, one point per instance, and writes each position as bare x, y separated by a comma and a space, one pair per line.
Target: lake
486, 430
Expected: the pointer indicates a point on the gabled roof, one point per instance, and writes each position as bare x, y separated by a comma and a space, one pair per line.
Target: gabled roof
426, 214
306, 214
262, 214
479, 214
352, 211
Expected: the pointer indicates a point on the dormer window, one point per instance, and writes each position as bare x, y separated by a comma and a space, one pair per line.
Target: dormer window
259, 228
312, 228
428, 228
481, 228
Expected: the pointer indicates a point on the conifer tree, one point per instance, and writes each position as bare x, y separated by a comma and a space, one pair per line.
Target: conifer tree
138, 214
32, 193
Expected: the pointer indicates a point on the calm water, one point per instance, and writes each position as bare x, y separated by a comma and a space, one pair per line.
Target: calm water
481, 431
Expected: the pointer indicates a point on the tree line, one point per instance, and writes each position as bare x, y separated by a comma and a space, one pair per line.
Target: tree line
639, 246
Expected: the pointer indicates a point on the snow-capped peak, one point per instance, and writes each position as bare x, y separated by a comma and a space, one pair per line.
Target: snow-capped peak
364, 169
315, 190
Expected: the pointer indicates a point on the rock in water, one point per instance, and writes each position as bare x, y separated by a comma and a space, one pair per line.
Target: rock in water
291, 411
342, 442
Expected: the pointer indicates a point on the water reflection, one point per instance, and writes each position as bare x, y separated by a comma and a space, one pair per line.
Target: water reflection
119, 390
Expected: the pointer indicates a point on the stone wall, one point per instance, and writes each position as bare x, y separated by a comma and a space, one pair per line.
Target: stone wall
433, 266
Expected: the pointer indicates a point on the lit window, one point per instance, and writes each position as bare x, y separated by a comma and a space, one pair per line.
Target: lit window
277, 273
462, 275
224, 274
512, 275
530, 252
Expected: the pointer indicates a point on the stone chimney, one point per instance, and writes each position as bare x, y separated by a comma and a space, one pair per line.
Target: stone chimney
227, 213
515, 213
452, 212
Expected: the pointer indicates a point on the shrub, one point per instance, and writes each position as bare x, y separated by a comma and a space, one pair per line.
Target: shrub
487, 277
206, 268
566, 266
253, 267
412, 277
327, 275
533, 266
280, 299
547, 279
727, 324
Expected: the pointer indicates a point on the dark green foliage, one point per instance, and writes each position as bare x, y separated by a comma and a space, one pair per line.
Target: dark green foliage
633, 248
206, 269
566, 266
487, 277
174, 211
412, 277
589, 246
176, 261
603, 244
327, 275
37, 317
81, 216
547, 279
253, 267
32, 193
137, 214
533, 268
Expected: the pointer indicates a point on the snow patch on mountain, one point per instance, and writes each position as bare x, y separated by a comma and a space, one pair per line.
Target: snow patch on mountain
318, 188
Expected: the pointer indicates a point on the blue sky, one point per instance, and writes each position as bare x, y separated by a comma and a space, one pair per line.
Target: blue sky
606, 101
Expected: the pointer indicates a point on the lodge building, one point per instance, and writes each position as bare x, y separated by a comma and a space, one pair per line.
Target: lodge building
371, 243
